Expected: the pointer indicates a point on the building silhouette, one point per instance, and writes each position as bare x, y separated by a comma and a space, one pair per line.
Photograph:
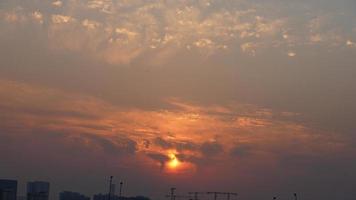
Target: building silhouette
135, 198
68, 195
21, 197
37, 190
8, 189
105, 197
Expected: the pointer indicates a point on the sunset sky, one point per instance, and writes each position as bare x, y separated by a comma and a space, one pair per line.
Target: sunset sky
249, 96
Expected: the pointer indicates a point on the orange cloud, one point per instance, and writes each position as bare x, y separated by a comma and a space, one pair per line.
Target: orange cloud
195, 135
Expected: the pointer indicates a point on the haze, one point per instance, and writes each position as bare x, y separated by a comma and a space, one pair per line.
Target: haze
251, 96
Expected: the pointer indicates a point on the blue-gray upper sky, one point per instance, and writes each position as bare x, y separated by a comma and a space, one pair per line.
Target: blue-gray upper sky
251, 96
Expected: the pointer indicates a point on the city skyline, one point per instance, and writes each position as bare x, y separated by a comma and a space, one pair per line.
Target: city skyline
255, 97
39, 190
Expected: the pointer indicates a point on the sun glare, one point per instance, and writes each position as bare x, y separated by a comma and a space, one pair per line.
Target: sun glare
173, 163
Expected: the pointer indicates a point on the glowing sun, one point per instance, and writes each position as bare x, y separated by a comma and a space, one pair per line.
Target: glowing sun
173, 163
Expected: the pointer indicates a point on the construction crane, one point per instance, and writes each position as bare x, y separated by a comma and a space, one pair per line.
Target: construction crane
196, 194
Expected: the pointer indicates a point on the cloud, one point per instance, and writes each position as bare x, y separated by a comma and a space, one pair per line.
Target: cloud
291, 54
316, 38
115, 146
250, 122
90, 24
211, 148
173, 143
161, 158
162, 143
57, 3
104, 86
132, 30
60, 19
350, 43
38, 16
81, 130
249, 48
241, 150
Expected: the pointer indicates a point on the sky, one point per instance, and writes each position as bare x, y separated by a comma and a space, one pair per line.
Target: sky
249, 96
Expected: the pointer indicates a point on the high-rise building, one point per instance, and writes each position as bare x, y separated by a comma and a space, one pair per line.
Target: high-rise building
8, 189
37, 190
67, 195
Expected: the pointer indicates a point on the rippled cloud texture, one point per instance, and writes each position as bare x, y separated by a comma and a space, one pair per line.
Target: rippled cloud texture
255, 97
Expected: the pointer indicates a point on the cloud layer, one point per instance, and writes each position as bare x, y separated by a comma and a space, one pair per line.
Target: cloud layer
254, 96
53, 125
120, 32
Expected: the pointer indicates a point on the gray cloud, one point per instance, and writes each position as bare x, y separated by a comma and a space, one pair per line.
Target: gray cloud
161, 158
115, 146
162, 143
211, 148
241, 150
180, 145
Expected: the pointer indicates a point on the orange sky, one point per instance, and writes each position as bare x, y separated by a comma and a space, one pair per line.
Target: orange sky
254, 97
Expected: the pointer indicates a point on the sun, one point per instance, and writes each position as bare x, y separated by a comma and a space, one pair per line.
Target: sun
173, 163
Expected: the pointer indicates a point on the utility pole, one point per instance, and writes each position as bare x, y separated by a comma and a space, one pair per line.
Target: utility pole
110, 185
